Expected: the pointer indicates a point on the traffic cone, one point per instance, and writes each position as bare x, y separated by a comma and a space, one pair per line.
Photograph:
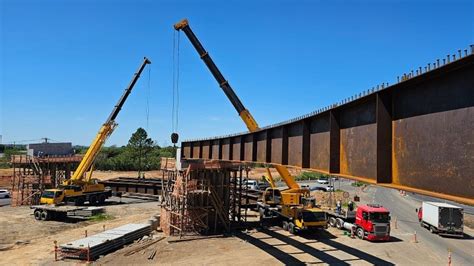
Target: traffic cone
449, 257
55, 250
415, 240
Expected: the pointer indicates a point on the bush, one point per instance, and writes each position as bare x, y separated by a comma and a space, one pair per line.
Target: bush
8, 152
358, 184
140, 154
310, 176
101, 217
4, 165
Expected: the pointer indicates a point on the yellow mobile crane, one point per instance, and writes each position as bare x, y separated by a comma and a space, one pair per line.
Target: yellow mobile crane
81, 187
294, 205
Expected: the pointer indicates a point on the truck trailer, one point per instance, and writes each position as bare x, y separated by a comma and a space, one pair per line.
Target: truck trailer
441, 218
61, 212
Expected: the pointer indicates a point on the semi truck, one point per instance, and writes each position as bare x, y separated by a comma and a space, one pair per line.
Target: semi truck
371, 221
441, 218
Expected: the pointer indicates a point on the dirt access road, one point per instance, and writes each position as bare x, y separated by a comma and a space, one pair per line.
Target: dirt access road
25, 241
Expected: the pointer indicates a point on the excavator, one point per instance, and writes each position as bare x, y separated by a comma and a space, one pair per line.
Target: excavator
81, 187
294, 206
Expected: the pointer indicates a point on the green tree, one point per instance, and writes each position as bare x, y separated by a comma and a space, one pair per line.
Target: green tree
139, 146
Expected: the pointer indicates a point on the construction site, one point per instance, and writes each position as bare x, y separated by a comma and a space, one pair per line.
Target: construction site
383, 177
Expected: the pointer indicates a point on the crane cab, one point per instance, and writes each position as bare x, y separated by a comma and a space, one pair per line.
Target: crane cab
52, 196
311, 218
93, 186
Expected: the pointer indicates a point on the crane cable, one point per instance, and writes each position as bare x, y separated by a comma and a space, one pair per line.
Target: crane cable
141, 174
177, 84
174, 81
175, 89
148, 100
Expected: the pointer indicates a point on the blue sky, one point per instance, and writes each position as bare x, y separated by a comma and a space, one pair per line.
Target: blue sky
64, 64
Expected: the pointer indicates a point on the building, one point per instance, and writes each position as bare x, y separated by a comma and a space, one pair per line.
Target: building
50, 149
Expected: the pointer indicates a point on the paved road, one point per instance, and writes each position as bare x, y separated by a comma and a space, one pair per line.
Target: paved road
403, 210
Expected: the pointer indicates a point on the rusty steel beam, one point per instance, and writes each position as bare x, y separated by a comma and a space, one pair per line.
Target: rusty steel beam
416, 135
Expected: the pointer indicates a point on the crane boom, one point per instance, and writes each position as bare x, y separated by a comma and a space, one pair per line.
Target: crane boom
105, 130
223, 83
234, 99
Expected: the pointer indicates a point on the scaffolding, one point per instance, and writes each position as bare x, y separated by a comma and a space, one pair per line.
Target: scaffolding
33, 174
204, 199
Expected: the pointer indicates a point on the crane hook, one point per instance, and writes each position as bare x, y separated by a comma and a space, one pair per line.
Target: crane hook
174, 138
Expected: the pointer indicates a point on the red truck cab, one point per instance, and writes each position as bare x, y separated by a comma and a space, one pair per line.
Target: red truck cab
373, 222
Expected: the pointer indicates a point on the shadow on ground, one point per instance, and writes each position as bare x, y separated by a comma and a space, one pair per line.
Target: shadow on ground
464, 237
321, 236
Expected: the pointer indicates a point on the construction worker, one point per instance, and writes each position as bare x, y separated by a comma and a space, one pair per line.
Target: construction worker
350, 205
338, 206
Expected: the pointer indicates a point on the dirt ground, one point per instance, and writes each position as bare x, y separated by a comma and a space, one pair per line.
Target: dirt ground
258, 172
25, 241
255, 173
273, 246
213, 250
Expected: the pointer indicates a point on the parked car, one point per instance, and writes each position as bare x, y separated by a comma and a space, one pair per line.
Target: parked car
4, 194
318, 189
323, 180
329, 188
305, 186
251, 184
